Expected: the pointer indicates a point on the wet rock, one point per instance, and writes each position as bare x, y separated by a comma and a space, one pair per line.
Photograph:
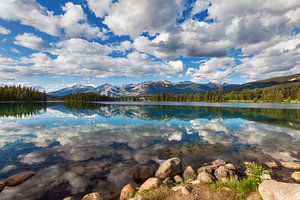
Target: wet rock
218, 162
224, 174
93, 196
169, 182
127, 192
273, 190
271, 164
142, 173
151, 183
230, 166
178, 179
186, 190
189, 173
169, 168
2, 185
176, 188
291, 165
205, 177
296, 176
209, 169
19, 178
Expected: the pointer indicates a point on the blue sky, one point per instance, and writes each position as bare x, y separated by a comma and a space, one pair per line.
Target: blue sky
55, 44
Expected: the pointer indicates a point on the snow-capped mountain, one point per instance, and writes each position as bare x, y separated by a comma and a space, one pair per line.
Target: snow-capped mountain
136, 89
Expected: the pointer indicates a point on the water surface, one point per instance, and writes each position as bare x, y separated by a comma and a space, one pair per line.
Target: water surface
80, 148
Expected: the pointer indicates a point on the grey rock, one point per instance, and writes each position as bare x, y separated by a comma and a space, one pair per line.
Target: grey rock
218, 162
296, 176
273, 190
127, 192
19, 178
178, 179
151, 183
230, 166
224, 174
209, 169
291, 165
169, 168
93, 196
205, 177
142, 173
189, 173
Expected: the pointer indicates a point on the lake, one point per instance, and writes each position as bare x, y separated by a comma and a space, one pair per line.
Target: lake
79, 148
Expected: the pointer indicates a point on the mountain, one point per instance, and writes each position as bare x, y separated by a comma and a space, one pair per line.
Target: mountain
163, 87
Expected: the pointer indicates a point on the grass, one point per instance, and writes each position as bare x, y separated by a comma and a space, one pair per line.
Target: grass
247, 185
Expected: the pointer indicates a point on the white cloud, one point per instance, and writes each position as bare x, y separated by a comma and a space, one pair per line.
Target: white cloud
72, 23
4, 31
30, 41
100, 8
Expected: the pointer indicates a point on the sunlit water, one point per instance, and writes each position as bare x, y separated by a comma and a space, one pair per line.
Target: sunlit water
76, 149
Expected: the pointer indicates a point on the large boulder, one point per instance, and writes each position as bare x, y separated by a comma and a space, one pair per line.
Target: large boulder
93, 196
219, 162
225, 174
209, 169
127, 192
142, 173
273, 190
19, 178
291, 165
296, 176
205, 177
189, 173
151, 183
169, 168
2, 185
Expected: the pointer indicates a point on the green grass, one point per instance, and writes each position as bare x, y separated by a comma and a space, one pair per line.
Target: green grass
245, 186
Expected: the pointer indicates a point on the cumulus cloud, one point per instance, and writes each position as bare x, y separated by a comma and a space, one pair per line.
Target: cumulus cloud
30, 41
4, 31
100, 8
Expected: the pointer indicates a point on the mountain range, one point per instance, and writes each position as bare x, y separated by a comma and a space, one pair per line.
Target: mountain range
186, 87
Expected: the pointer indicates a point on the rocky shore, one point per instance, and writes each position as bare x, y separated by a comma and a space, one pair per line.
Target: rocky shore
216, 180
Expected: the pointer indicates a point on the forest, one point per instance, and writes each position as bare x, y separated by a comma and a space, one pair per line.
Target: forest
19, 93
273, 95
87, 97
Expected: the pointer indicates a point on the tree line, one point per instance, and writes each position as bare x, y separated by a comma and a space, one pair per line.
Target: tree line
87, 97
19, 93
274, 95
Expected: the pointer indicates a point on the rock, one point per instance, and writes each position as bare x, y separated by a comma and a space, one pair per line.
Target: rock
169, 168
224, 174
196, 182
273, 190
18, 178
2, 185
139, 197
247, 164
271, 164
169, 182
127, 192
151, 183
291, 165
205, 177
296, 176
93, 196
189, 173
178, 179
209, 169
142, 173
176, 188
218, 162
69, 198
186, 190
230, 166
264, 177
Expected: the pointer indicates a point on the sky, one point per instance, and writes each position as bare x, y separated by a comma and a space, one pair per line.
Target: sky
54, 44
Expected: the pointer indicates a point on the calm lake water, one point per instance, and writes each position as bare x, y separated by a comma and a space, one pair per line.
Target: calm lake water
80, 148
